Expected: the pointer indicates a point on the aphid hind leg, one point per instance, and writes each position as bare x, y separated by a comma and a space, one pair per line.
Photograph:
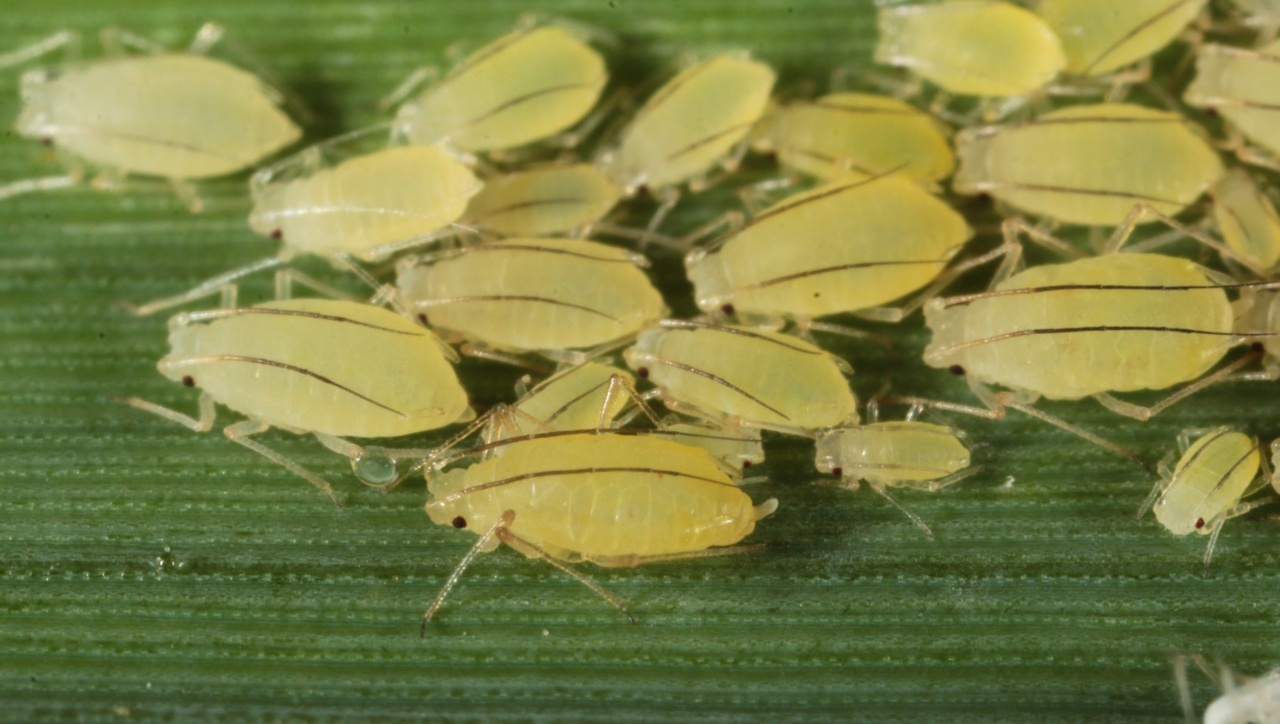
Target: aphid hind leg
933, 486
117, 41
240, 433
633, 561
804, 327
532, 551
222, 284
1226, 374
286, 278
1140, 211
883, 490
46, 183
68, 40
1009, 252
419, 77
202, 424
619, 385
188, 195
480, 545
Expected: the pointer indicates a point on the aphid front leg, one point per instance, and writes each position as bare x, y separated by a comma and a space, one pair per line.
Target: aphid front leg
203, 424
532, 551
69, 40
240, 433
883, 491
483, 544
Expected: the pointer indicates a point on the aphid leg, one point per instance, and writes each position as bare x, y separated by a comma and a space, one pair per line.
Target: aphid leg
883, 490
221, 284
286, 278
479, 350
633, 561
1166, 479
532, 551
933, 486
619, 385
1010, 251
667, 200
758, 196
47, 183
730, 221
68, 39
1184, 688
1140, 211
805, 326
1013, 227
574, 137
1226, 374
480, 545
118, 41
240, 433
187, 194
204, 424
419, 77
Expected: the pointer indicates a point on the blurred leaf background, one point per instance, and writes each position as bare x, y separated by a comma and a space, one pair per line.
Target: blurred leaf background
148, 573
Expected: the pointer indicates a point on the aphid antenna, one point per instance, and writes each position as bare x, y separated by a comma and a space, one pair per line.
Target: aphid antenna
68, 39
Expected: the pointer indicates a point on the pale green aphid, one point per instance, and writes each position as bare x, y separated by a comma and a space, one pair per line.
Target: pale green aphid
906, 454
749, 377
533, 294
1244, 699
1259, 310
1247, 220
1244, 86
543, 201
368, 206
733, 444
851, 245
524, 87
1205, 490
602, 496
1089, 164
583, 396
177, 116
971, 47
1100, 36
335, 369
857, 132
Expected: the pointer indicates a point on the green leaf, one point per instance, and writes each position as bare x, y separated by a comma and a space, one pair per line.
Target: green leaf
150, 573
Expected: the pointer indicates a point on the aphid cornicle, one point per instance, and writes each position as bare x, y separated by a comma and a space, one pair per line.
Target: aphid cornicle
1089, 164
334, 369
1247, 220
856, 132
1205, 490
523, 87
533, 294
748, 376
1101, 36
850, 245
971, 47
600, 496
1242, 84
177, 116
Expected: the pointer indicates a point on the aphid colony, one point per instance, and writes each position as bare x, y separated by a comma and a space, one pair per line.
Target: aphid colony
494, 254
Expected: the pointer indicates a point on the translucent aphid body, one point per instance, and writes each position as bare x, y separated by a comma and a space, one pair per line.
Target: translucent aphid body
1259, 310
750, 376
1249, 702
690, 124
535, 294
1244, 86
1099, 36
1209, 480
971, 47
1247, 219
366, 206
907, 454
738, 447
859, 132
1089, 164
318, 365
852, 244
572, 399
521, 88
1087, 327
609, 499
177, 116
544, 201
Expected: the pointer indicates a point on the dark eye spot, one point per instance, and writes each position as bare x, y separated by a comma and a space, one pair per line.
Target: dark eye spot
1211, 112
643, 372
277, 234
47, 140
838, 472
422, 317
459, 522
727, 309
641, 190
956, 370
771, 155
1256, 346
746, 464
1199, 523
984, 197
817, 294
188, 380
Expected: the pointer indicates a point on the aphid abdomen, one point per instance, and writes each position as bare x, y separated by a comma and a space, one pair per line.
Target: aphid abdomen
176, 116
519, 89
339, 368
852, 244
1244, 86
381, 198
1099, 36
536, 294
588, 496
1089, 164
1071, 343
543, 201
1210, 478
1247, 219
892, 451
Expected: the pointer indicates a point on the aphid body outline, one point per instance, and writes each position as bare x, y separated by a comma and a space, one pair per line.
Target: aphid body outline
1101, 36
1240, 84
1247, 220
537, 202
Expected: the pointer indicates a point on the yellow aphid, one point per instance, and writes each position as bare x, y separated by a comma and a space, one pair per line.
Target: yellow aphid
541, 202
747, 376
578, 398
534, 294
1205, 489
971, 47
853, 244
1247, 219
179, 116
907, 454
1089, 164
524, 87
733, 444
1244, 86
331, 368
614, 500
1111, 323
367, 206
690, 124
859, 132
1100, 36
